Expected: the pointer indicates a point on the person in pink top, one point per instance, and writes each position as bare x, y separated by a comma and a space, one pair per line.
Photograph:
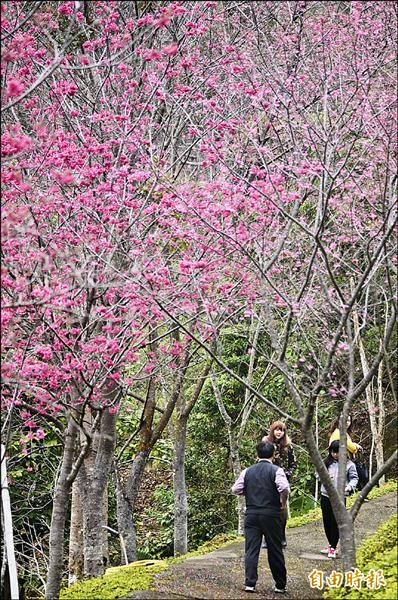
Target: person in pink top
266, 491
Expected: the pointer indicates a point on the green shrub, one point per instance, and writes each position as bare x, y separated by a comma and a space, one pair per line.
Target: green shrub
378, 551
116, 583
385, 538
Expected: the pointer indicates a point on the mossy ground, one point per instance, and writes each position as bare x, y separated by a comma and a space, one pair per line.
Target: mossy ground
116, 583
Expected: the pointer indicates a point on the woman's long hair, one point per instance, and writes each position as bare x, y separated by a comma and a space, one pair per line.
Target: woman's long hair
335, 425
284, 442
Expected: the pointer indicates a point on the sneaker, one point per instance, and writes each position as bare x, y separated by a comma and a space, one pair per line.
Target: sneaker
249, 588
332, 553
326, 550
264, 545
280, 590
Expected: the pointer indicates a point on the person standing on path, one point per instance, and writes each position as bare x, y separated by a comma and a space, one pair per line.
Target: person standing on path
284, 458
329, 520
334, 434
266, 491
352, 450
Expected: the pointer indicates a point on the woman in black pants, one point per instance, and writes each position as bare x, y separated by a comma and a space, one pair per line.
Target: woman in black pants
329, 520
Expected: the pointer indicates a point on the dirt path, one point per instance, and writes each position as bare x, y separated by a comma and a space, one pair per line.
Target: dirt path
220, 574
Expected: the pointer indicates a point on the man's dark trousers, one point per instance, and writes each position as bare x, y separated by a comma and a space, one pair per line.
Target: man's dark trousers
257, 526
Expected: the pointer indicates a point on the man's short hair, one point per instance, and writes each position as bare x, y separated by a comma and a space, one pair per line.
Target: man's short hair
265, 450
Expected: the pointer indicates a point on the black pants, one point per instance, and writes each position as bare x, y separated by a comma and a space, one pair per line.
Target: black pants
257, 526
283, 523
329, 522
363, 474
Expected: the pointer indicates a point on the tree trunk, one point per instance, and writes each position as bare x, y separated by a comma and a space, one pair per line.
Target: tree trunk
347, 541
236, 467
76, 537
95, 489
105, 534
180, 493
128, 496
183, 410
233, 448
373, 405
76, 559
8, 540
380, 421
76, 540
59, 513
132, 488
126, 526
93, 535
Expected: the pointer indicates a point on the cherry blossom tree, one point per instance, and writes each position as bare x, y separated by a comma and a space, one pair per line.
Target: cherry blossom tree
184, 165
86, 254
315, 157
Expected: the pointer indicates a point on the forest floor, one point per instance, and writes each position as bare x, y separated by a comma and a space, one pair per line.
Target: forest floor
220, 574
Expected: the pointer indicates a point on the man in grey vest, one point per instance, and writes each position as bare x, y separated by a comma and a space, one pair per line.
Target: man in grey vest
266, 490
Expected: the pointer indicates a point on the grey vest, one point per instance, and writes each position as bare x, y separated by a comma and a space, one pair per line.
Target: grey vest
262, 496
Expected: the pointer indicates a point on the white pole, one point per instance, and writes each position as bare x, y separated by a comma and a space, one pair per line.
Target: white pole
8, 534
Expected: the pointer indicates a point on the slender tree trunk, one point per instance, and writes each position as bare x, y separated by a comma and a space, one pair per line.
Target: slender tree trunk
76, 540
233, 448
7, 530
126, 526
183, 410
180, 493
130, 493
381, 420
76, 559
59, 513
316, 493
236, 467
127, 499
373, 406
105, 534
126, 520
248, 405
